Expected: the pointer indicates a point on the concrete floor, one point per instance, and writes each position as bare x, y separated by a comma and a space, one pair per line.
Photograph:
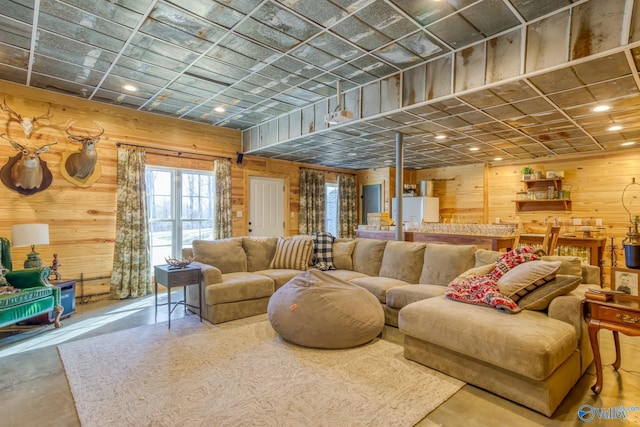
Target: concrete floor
34, 389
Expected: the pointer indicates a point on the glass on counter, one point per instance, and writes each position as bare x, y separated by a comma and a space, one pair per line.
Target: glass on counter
501, 230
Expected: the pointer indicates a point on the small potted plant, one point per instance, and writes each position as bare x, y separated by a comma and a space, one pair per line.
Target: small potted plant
527, 173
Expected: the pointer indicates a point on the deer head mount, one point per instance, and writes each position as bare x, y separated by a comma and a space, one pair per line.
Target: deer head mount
81, 164
26, 123
26, 172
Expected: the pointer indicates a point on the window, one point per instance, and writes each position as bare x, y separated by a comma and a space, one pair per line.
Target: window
331, 225
181, 209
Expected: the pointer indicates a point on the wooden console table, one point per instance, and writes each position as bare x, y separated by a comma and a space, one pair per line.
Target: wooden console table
596, 245
621, 314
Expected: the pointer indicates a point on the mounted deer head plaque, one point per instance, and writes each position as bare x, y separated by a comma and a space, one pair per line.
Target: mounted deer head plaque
26, 173
27, 123
80, 167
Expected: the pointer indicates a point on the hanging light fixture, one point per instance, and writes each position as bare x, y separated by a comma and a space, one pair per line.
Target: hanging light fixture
338, 116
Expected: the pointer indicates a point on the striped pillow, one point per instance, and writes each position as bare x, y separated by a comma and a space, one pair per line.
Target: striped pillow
292, 254
527, 277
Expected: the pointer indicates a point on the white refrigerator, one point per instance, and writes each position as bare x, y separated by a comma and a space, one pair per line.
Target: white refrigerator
420, 208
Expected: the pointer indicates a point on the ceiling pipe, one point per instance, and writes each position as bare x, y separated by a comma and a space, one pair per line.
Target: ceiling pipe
399, 186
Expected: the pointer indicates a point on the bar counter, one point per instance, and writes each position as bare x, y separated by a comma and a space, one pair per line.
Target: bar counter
595, 245
495, 243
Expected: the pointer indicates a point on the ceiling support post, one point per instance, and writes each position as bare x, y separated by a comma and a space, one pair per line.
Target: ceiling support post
399, 186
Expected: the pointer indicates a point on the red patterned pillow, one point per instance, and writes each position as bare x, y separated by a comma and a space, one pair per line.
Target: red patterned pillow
510, 259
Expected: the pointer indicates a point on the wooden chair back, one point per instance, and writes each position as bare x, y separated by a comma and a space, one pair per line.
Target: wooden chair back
551, 238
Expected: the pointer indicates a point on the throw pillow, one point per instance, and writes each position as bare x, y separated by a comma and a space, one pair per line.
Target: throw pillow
260, 251
403, 261
444, 262
571, 265
225, 254
525, 278
482, 270
511, 259
305, 237
367, 256
484, 257
292, 254
323, 251
342, 251
540, 298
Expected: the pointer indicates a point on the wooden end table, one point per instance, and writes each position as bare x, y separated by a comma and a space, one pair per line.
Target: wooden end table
621, 314
170, 277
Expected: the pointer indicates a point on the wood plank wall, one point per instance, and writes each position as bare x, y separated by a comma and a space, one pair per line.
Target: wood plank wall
386, 177
82, 220
596, 183
460, 190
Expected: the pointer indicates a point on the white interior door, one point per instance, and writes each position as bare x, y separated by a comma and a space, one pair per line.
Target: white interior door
266, 206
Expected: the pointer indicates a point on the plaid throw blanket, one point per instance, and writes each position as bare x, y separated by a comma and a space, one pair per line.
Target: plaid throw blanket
323, 251
483, 290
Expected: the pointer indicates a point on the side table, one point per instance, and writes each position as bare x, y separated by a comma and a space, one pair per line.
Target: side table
67, 300
170, 277
621, 314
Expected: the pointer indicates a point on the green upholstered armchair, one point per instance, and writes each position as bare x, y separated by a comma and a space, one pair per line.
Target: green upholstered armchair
36, 295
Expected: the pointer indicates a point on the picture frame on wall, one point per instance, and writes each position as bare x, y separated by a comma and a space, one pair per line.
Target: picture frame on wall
625, 280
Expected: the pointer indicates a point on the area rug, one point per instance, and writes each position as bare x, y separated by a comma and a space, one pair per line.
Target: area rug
242, 373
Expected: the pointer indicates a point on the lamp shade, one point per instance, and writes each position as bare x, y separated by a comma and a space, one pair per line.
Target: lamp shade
29, 234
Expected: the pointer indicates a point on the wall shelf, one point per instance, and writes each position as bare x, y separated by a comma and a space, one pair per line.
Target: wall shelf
543, 205
541, 185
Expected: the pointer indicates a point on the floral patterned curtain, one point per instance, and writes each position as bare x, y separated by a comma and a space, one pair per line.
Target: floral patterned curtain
131, 275
223, 217
312, 201
347, 206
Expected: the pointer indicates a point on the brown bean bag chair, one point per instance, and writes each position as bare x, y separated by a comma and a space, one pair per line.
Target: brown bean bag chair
317, 310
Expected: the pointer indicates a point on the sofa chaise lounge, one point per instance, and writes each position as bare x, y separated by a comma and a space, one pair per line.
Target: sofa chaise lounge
533, 357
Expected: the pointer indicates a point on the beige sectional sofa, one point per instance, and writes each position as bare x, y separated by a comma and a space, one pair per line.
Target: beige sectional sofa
533, 357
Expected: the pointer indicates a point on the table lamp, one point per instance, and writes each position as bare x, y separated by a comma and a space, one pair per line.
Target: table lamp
30, 235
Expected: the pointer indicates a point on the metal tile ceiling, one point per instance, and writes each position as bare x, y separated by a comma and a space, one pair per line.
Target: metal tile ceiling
265, 59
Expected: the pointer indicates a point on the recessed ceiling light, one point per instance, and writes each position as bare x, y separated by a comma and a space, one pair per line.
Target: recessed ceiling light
219, 110
441, 137
130, 88
388, 161
474, 149
352, 154
628, 143
614, 128
497, 159
600, 108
